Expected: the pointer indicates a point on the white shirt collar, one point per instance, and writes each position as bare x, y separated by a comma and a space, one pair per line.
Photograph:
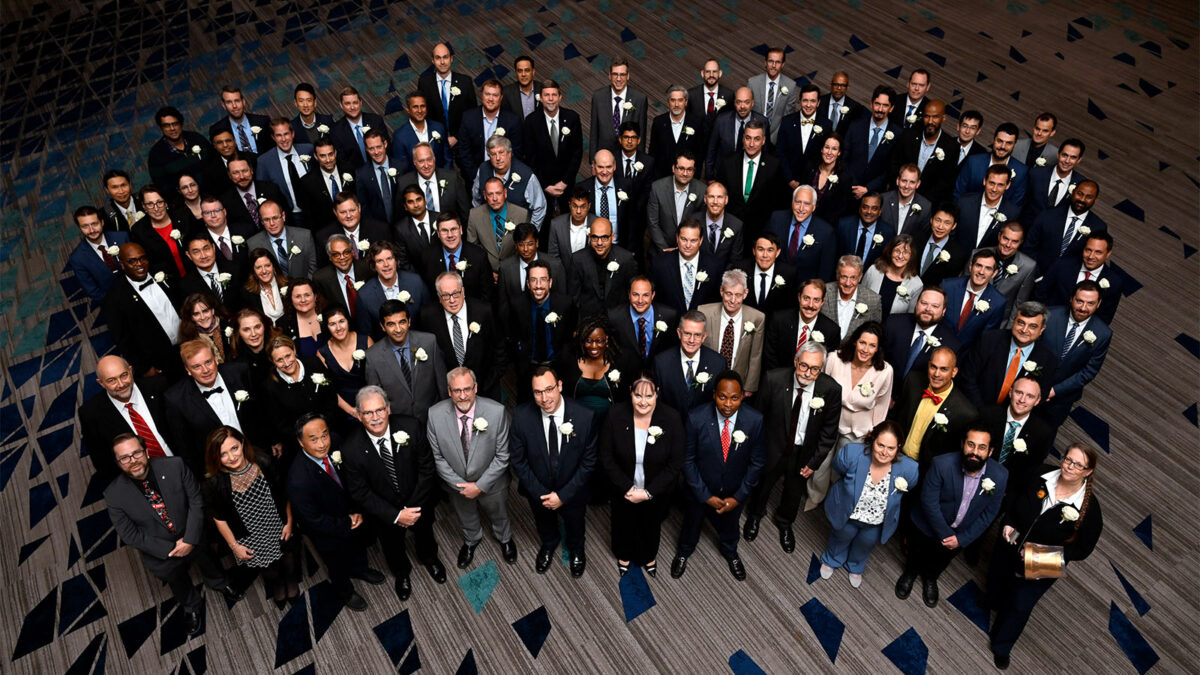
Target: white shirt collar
1075, 499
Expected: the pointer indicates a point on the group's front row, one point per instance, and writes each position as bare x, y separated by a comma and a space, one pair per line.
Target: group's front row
382, 479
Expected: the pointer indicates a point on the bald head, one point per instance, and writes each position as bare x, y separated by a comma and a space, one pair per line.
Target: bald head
116, 377
743, 101
603, 166
935, 114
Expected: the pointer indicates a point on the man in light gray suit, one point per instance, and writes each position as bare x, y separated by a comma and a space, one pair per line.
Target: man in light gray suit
736, 331
292, 248
468, 435
407, 364
774, 94
569, 231
1028, 150
904, 209
847, 301
673, 199
1015, 271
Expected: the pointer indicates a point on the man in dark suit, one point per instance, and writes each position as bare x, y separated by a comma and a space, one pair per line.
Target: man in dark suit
960, 497
388, 283
308, 124
801, 407
389, 472
447, 94
932, 151
175, 153
407, 364
1092, 264
1015, 271
931, 410
1080, 339
911, 338
686, 375
206, 276
323, 184
600, 273
92, 260
229, 240
612, 199
156, 508
972, 304
972, 171
467, 333
552, 446
523, 96
514, 269
613, 105
540, 323
866, 235
801, 137
377, 180
453, 253
480, 124
1023, 437
340, 281
753, 178
772, 281
870, 142
904, 208
419, 129
1051, 182
673, 200
642, 328
126, 406
292, 248
322, 505
349, 132
837, 106
443, 188
991, 366
349, 221
634, 169
982, 213
285, 164
243, 201
908, 113
210, 396
552, 142
809, 243
940, 256
788, 329
248, 128
215, 168
724, 233
1060, 232
705, 100
687, 276
728, 129
674, 132
725, 456
968, 128
143, 316
121, 208
415, 230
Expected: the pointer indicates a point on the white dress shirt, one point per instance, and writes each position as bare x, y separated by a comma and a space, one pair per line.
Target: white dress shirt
429, 185
802, 421
746, 161
463, 324
160, 305
1050, 500
695, 263
757, 282
139, 404
579, 235
221, 403
737, 331
845, 313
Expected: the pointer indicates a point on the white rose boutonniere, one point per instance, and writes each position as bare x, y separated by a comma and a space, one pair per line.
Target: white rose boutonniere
748, 327
113, 250
783, 90
552, 318
176, 234
626, 106
817, 129
780, 281
336, 456
844, 109
364, 245
638, 166
359, 284
160, 278
319, 379
1041, 161
229, 331
739, 436
1011, 269
480, 425
1103, 283
940, 421
473, 327
455, 91
400, 438
860, 308
435, 135
1000, 217
866, 389
305, 158
982, 306
944, 256
901, 484
902, 291
817, 337
939, 153
987, 487
347, 178
240, 396
816, 403
703, 377
1020, 445
224, 278
809, 240
1069, 515
727, 233
888, 136
404, 296
701, 277
911, 119
499, 132
196, 150
295, 250
915, 208
719, 103
622, 196
322, 128
260, 200
688, 131
509, 226
1089, 337
462, 265
1030, 365
833, 179
691, 197
1071, 187
283, 290
566, 131
660, 326
612, 267
877, 240
420, 354
614, 376
932, 342
442, 184
1084, 230
516, 178
237, 240
359, 355
256, 130
392, 173
652, 434
567, 429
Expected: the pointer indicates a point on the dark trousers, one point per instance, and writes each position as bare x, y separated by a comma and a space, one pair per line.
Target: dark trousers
546, 520
927, 557
1011, 596
795, 489
343, 558
726, 525
756, 506
637, 529
393, 540
178, 576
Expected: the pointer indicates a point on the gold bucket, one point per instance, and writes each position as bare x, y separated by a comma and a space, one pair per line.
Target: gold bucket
1042, 562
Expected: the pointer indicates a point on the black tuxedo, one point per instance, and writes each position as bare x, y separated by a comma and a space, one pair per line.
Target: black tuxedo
1038, 434
262, 140
427, 85
778, 299
477, 278
412, 244
664, 148
538, 152
779, 344
668, 285
136, 333
982, 370
672, 379
939, 175
100, 422
624, 331
766, 195
897, 344
197, 282
193, 417
1058, 285
959, 412
323, 506
366, 478
585, 285
483, 351
344, 140
799, 159
315, 198
235, 206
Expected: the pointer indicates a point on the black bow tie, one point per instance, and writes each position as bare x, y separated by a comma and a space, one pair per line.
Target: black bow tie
145, 284
210, 392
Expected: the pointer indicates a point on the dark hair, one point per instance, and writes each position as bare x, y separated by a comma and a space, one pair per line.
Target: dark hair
305, 87
524, 231
883, 90
1075, 142
984, 253
539, 264
542, 370
1086, 285
819, 283
445, 217
336, 310
972, 115
408, 99
120, 173
1048, 117
933, 288
981, 427
167, 111
1103, 235
846, 350
321, 141
685, 154
1014, 225
278, 122
756, 123
252, 284
212, 449
147, 189
589, 325
919, 71
769, 236
523, 57
85, 210
885, 427
808, 88
949, 208
643, 375
629, 125
728, 374
642, 277
345, 196
998, 170
217, 131
884, 261
551, 84
1006, 128
390, 307
379, 246
195, 235
581, 193
691, 223
125, 436
235, 342
304, 419
296, 282
374, 132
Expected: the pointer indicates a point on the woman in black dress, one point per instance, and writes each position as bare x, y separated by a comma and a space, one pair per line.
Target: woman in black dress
302, 318
832, 181
248, 344
202, 317
343, 355
297, 385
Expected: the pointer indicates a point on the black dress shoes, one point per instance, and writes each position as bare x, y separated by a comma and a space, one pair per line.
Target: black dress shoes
193, 623
544, 558
787, 539
1000, 661
230, 593
929, 592
403, 588
373, 577
737, 569
678, 566
904, 586
437, 571
509, 549
465, 555
578, 564
355, 602
750, 529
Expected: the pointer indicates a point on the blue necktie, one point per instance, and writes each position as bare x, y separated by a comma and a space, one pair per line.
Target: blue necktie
446, 103
875, 131
333, 188
1069, 341
1009, 438
385, 190
358, 137
283, 255
913, 351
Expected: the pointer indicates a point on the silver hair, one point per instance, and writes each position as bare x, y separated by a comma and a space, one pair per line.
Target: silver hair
695, 316
809, 347
499, 142
851, 261
368, 391
676, 88
1031, 309
459, 372
734, 277
333, 238
810, 188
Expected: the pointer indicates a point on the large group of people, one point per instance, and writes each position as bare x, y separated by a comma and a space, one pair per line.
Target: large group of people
325, 328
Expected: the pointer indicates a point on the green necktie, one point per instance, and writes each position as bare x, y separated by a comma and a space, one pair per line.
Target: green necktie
749, 181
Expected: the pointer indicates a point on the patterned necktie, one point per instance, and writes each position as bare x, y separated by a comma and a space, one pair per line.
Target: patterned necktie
283, 255
498, 228
725, 442
1069, 341
712, 104
803, 338
109, 261
362, 148
616, 115
225, 250
404, 367
465, 437
329, 470
153, 447
156, 503
252, 207
643, 343
690, 376
1009, 438
1069, 236
771, 100
604, 209
835, 113
452, 265
389, 462
243, 139
214, 285
460, 349
727, 344
628, 167
929, 255
689, 284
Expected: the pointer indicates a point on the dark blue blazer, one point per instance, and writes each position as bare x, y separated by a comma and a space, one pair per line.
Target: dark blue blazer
270, 167
870, 173
973, 171
1058, 285
530, 458
321, 505
847, 236
853, 464
471, 143
977, 322
405, 139
301, 134
668, 370
93, 275
812, 262
367, 189
1083, 362
941, 495
664, 271
1044, 238
967, 231
342, 136
706, 472
981, 372
1038, 186
898, 331
371, 296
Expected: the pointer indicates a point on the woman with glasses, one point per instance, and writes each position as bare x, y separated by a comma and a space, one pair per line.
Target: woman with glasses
201, 317
159, 235
1061, 509
894, 276
344, 356
641, 454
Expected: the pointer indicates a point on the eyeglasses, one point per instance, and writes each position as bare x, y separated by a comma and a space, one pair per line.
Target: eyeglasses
539, 393
452, 295
154, 204
599, 237
1072, 464
373, 413
132, 457
805, 368
467, 391
212, 212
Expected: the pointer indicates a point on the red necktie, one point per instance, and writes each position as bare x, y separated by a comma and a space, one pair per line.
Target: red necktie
108, 259
966, 311
1087, 276
725, 442
712, 103
351, 295
803, 338
329, 470
937, 400
153, 448
794, 243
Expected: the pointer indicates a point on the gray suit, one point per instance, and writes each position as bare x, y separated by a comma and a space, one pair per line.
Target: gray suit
660, 210
560, 237
428, 376
914, 223
863, 295
784, 102
485, 464
1021, 152
481, 231
1016, 288
301, 264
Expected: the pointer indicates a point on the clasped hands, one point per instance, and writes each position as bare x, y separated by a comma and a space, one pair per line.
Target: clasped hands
722, 505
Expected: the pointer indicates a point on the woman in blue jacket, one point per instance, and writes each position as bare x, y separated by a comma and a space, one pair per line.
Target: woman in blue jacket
864, 506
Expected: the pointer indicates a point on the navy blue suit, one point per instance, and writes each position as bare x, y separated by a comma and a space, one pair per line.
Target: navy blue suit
981, 373
1037, 191
371, 297
897, 344
1044, 238
323, 508
1081, 364
871, 173
664, 272
91, 272
270, 167
811, 262
370, 195
942, 493
671, 376
469, 153
973, 171
848, 230
1058, 285
967, 231
977, 322
405, 139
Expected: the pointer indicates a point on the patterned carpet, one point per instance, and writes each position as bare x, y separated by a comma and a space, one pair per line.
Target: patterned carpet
81, 81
